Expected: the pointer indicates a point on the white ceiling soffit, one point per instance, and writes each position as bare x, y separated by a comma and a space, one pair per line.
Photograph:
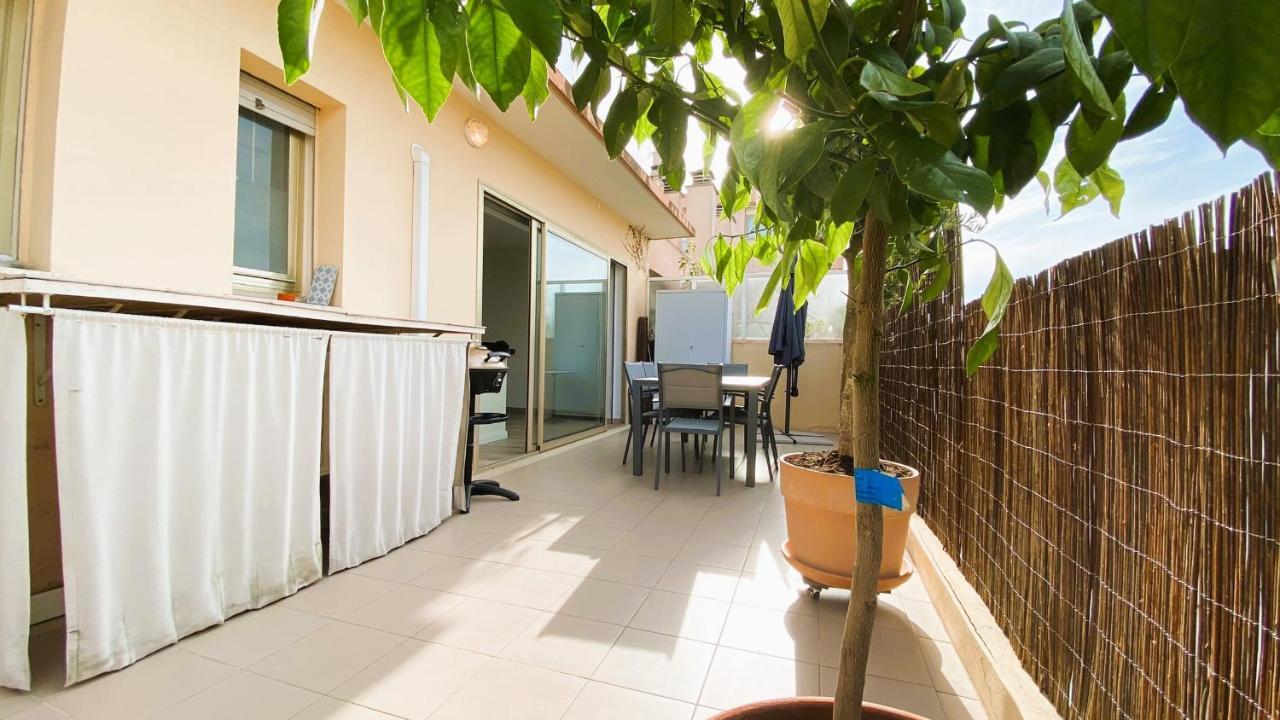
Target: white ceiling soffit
568, 140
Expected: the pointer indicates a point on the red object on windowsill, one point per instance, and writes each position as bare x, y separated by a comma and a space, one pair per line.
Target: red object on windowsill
287, 297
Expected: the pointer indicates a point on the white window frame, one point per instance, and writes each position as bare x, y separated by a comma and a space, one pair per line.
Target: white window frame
15, 24
270, 102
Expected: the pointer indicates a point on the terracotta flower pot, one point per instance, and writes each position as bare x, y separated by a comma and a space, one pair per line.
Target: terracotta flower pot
821, 527
808, 708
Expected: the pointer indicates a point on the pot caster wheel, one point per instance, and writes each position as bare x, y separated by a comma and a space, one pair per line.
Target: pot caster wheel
815, 588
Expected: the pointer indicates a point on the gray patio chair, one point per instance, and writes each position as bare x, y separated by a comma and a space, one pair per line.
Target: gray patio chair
633, 370
689, 387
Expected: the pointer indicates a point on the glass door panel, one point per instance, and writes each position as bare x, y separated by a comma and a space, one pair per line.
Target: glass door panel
575, 326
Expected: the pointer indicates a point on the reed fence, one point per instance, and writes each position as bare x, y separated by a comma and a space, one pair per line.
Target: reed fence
1110, 481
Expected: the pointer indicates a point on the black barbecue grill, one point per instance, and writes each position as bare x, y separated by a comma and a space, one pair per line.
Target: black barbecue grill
487, 366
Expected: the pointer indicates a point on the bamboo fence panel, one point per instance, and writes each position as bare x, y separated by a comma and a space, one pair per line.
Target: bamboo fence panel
1110, 481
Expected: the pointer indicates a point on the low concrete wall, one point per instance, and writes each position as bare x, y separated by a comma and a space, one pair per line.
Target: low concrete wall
1004, 687
817, 408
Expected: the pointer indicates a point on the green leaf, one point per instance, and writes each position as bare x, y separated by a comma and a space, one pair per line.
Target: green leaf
671, 124
788, 158
734, 194
536, 89
851, 191
938, 118
1153, 31
296, 24
995, 301
500, 53
1228, 74
1073, 190
879, 79
739, 257
359, 10
672, 20
1015, 81
1080, 64
1046, 184
811, 267
780, 271
1089, 147
981, 351
541, 22
422, 44
621, 121
838, 237
1150, 112
722, 253
1271, 126
797, 32
932, 170
584, 88
1111, 186
1268, 145
940, 281
745, 136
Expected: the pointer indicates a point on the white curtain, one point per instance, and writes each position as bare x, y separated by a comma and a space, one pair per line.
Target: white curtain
395, 409
188, 475
15, 573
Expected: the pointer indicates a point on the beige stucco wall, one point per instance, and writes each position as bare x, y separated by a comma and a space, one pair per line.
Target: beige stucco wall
129, 171
817, 408
131, 177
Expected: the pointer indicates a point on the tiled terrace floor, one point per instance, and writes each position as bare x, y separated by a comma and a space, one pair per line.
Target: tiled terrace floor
592, 597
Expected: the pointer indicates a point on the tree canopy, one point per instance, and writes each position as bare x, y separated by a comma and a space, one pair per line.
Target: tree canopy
892, 112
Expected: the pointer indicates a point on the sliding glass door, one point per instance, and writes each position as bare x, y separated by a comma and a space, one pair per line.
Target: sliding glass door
575, 326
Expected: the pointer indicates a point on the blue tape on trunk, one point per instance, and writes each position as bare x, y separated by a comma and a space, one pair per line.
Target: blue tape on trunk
878, 488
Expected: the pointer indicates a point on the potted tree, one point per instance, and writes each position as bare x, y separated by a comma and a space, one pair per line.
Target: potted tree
863, 125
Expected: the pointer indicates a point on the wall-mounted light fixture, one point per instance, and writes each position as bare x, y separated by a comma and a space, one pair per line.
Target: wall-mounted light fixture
477, 132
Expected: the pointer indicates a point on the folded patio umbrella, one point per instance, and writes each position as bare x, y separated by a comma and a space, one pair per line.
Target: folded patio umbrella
786, 340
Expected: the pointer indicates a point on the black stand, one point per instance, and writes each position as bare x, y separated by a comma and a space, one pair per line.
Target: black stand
480, 487
797, 437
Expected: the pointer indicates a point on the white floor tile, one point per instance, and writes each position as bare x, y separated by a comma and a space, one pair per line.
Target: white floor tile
405, 610
337, 595
629, 569
512, 691
400, 565
249, 637
326, 657
598, 700
772, 632
563, 643
738, 677
152, 684
244, 695
659, 664
686, 616
722, 555
327, 708
603, 600
700, 580
482, 626
919, 699
650, 545
413, 680
460, 576
538, 589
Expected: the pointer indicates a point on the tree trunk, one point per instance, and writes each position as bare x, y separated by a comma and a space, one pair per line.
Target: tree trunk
860, 440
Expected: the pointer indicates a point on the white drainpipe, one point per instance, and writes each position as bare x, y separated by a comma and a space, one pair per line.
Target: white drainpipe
421, 182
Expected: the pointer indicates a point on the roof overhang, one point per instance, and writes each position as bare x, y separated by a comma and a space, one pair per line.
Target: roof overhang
560, 136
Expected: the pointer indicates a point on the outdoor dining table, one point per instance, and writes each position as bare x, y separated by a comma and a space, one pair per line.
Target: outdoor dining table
748, 386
